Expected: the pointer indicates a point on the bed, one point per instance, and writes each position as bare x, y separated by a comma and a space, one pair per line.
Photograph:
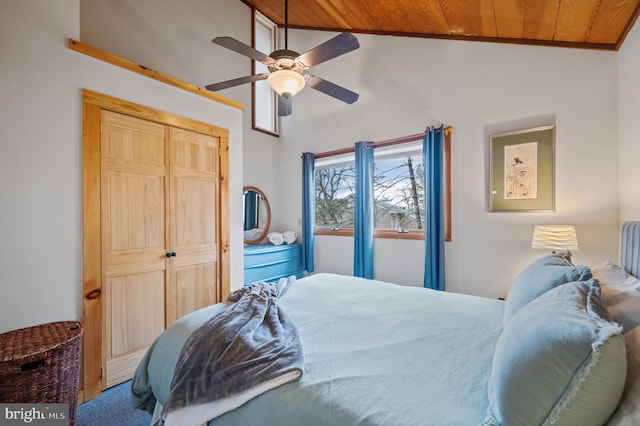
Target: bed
560, 350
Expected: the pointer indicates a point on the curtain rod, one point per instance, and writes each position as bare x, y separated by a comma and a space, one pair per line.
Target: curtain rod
388, 142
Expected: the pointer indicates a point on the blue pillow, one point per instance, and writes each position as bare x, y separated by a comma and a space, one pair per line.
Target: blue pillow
541, 276
560, 360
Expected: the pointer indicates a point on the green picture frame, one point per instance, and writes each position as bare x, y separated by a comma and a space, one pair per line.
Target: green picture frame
522, 170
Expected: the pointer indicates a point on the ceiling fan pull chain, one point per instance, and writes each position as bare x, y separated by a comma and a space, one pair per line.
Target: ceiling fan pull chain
286, 24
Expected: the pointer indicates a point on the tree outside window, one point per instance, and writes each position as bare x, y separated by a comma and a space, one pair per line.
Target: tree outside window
398, 192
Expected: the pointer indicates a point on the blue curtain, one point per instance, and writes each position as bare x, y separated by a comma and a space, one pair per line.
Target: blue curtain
308, 209
433, 157
250, 210
364, 212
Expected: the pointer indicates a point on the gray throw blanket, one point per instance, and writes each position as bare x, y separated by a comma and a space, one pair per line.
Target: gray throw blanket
245, 350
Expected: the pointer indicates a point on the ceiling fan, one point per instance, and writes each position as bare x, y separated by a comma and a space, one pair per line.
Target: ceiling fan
286, 67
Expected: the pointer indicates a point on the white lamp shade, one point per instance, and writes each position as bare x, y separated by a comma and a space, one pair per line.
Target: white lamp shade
555, 237
286, 81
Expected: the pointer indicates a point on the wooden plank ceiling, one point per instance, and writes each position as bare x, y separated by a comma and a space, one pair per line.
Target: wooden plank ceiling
592, 24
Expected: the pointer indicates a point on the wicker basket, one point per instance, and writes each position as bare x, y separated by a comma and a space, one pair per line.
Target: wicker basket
41, 364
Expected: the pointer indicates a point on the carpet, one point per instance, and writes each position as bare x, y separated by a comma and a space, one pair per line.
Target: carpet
112, 408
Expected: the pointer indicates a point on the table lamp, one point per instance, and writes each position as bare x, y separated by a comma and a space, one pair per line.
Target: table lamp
555, 237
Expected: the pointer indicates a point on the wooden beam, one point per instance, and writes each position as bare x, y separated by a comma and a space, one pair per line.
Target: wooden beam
148, 72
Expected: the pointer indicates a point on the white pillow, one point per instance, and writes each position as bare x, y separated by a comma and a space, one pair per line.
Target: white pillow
611, 274
620, 294
628, 411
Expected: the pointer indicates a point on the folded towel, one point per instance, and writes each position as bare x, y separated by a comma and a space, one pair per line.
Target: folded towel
275, 238
289, 237
252, 234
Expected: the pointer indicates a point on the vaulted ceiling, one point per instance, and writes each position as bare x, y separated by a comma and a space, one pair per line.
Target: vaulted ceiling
592, 24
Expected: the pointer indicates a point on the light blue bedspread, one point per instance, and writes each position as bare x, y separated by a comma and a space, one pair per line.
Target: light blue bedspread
375, 354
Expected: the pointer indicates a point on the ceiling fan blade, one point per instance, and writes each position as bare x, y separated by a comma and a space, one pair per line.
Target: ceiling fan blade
331, 89
235, 82
285, 105
243, 49
339, 45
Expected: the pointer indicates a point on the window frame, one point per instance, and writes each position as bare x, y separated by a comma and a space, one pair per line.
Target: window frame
410, 234
260, 19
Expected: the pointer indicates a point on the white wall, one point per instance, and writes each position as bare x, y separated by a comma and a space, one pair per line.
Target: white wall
174, 37
406, 84
41, 162
629, 125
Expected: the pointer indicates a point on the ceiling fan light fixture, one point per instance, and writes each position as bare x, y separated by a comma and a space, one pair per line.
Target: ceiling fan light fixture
286, 81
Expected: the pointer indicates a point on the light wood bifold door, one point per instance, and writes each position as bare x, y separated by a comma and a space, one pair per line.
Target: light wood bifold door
159, 233
193, 176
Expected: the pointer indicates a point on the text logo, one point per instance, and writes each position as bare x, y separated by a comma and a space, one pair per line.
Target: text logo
34, 414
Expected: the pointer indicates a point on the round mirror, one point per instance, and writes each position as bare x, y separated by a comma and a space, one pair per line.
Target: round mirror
257, 215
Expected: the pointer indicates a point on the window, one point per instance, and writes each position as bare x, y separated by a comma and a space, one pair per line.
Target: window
335, 192
264, 100
398, 188
398, 192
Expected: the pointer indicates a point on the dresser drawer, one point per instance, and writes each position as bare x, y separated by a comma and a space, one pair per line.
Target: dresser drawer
273, 271
260, 255
269, 263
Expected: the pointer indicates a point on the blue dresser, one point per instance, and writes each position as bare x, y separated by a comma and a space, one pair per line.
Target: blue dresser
266, 262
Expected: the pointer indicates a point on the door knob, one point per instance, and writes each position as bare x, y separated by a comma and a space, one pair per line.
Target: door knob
171, 254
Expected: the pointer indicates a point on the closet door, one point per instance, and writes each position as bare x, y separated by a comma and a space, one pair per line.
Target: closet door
134, 234
194, 203
153, 184
160, 200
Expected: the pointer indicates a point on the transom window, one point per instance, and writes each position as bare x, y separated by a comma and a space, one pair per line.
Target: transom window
264, 109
